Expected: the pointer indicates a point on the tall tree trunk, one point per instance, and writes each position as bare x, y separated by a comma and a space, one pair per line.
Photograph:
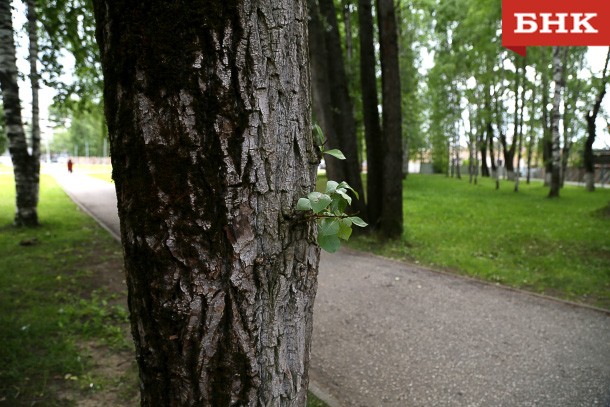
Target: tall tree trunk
26, 166
530, 142
370, 103
492, 155
391, 217
347, 22
34, 76
519, 133
591, 117
483, 149
342, 108
499, 167
556, 117
209, 124
320, 85
547, 144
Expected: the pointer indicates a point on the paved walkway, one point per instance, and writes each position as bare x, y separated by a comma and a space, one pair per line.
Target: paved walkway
392, 334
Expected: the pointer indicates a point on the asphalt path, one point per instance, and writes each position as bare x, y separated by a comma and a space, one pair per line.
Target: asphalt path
388, 333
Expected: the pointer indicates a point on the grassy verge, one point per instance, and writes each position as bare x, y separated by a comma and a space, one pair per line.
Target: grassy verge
54, 309
64, 337
559, 247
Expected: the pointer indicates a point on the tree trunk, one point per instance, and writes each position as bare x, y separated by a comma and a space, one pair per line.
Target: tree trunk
26, 166
588, 154
391, 217
209, 124
555, 118
483, 139
547, 144
347, 22
591, 117
34, 76
370, 103
322, 105
519, 133
342, 108
492, 155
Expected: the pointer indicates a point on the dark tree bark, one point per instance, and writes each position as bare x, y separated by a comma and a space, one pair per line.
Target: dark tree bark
342, 108
320, 85
558, 52
484, 138
347, 21
591, 117
391, 213
26, 166
208, 111
370, 103
547, 143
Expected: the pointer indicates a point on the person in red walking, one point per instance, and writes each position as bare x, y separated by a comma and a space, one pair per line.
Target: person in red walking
70, 164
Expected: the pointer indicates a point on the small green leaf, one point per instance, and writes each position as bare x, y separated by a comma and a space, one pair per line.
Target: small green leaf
338, 205
346, 185
319, 136
335, 153
357, 221
345, 196
331, 186
328, 227
329, 243
303, 204
319, 201
345, 229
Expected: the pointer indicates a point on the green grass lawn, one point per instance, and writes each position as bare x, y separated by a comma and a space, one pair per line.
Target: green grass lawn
64, 337
559, 247
51, 302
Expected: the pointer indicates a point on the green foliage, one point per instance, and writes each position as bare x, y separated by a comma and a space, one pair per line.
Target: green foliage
69, 28
84, 130
523, 240
328, 208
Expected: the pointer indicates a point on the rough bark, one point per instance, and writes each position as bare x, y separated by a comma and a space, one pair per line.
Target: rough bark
342, 107
208, 111
26, 166
391, 223
591, 118
555, 118
370, 103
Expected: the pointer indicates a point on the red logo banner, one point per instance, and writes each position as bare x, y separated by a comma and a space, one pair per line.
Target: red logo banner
554, 22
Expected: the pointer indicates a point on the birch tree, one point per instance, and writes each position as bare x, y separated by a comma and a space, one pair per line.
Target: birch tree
208, 110
26, 164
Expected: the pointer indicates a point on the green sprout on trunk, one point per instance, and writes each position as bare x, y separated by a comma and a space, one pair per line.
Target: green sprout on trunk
328, 208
